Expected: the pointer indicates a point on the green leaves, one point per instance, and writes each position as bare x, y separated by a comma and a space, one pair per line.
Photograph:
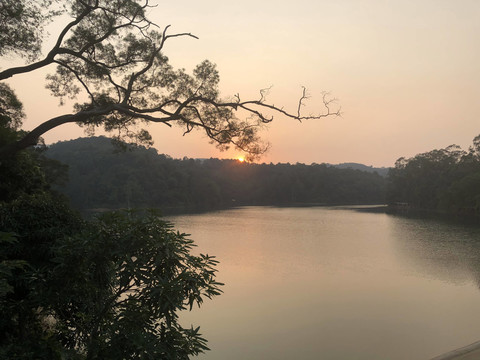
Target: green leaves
109, 288
136, 273
7, 266
11, 109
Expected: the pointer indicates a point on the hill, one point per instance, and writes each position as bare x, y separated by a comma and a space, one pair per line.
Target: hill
383, 171
101, 176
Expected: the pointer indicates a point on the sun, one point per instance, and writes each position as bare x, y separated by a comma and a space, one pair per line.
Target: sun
241, 159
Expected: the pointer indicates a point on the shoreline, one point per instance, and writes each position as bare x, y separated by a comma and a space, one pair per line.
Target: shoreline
469, 352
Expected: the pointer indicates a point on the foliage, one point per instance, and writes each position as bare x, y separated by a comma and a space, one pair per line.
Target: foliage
107, 289
25, 172
112, 54
131, 280
11, 109
33, 225
20, 173
445, 180
102, 178
22, 25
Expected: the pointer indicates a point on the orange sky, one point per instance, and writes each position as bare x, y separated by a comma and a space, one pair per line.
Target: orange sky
407, 74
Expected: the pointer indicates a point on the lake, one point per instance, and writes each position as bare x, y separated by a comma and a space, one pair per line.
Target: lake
336, 283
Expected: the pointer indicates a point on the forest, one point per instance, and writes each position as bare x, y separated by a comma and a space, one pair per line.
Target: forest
98, 173
444, 181
103, 176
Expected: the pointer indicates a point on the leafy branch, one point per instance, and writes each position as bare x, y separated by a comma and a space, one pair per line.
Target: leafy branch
112, 53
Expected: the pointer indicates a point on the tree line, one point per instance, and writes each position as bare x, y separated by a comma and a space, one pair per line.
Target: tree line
101, 177
445, 181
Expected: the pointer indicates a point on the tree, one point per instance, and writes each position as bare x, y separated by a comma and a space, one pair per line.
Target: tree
440, 181
112, 54
110, 288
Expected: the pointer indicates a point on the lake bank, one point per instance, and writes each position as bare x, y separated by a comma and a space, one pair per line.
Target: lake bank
469, 352
465, 217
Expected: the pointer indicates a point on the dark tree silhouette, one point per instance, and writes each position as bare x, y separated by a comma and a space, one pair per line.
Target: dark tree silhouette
113, 54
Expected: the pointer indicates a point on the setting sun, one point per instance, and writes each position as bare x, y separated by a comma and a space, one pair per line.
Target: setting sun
241, 158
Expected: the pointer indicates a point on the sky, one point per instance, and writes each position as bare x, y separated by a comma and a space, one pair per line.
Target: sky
406, 75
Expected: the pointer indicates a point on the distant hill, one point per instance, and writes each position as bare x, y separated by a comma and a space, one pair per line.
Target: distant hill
100, 176
383, 171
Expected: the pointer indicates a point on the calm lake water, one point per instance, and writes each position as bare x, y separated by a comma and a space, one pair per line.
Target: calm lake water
335, 283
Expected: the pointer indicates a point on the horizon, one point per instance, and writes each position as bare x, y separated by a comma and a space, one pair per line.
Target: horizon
239, 158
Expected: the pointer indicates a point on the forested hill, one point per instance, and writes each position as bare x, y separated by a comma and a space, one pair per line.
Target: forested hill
440, 181
383, 171
101, 177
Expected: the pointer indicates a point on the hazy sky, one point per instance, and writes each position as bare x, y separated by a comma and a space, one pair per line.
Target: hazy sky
406, 73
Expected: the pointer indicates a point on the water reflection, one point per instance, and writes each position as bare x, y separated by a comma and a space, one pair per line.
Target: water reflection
315, 283
440, 250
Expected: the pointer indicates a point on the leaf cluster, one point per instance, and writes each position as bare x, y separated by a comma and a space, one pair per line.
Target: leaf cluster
130, 289
22, 25
111, 288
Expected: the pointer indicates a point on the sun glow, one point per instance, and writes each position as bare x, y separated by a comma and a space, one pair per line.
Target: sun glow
241, 159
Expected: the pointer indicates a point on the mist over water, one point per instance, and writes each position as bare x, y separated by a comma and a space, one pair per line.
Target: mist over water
334, 283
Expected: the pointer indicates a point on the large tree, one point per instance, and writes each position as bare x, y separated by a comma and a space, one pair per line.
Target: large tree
109, 288
112, 57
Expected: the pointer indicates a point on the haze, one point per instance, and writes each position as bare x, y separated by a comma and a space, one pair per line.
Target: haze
406, 74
